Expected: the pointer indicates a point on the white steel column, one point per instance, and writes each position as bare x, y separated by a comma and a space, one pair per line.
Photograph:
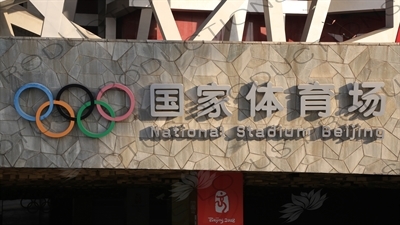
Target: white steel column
217, 19
70, 9
238, 22
111, 28
165, 19
274, 21
315, 20
19, 16
33, 10
55, 23
111, 24
5, 25
144, 24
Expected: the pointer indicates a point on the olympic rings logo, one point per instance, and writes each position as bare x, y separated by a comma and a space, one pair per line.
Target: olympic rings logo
71, 114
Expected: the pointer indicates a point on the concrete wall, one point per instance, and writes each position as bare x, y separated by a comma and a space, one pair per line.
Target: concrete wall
56, 63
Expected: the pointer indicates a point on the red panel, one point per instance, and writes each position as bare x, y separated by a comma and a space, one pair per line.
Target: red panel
188, 22
127, 26
222, 201
398, 36
294, 25
254, 29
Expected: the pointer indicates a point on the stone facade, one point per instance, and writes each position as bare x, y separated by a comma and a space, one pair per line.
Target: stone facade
133, 143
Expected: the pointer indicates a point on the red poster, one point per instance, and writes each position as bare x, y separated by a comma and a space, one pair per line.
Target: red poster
220, 198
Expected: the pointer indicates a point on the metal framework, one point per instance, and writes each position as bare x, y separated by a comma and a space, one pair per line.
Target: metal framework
58, 18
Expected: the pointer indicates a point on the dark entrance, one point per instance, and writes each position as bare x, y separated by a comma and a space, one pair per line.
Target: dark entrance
109, 196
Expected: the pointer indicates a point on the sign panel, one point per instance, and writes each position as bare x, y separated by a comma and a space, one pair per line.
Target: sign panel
316, 108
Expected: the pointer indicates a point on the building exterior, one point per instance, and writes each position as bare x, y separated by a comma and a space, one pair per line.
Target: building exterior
207, 112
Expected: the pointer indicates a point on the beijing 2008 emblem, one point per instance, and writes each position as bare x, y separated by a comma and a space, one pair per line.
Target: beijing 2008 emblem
71, 114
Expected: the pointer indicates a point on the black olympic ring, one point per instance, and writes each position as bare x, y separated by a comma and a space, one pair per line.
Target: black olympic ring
90, 108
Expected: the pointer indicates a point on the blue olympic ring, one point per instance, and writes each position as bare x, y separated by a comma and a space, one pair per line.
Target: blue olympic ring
38, 86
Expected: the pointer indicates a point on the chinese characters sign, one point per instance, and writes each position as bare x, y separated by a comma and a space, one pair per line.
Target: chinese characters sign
167, 99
